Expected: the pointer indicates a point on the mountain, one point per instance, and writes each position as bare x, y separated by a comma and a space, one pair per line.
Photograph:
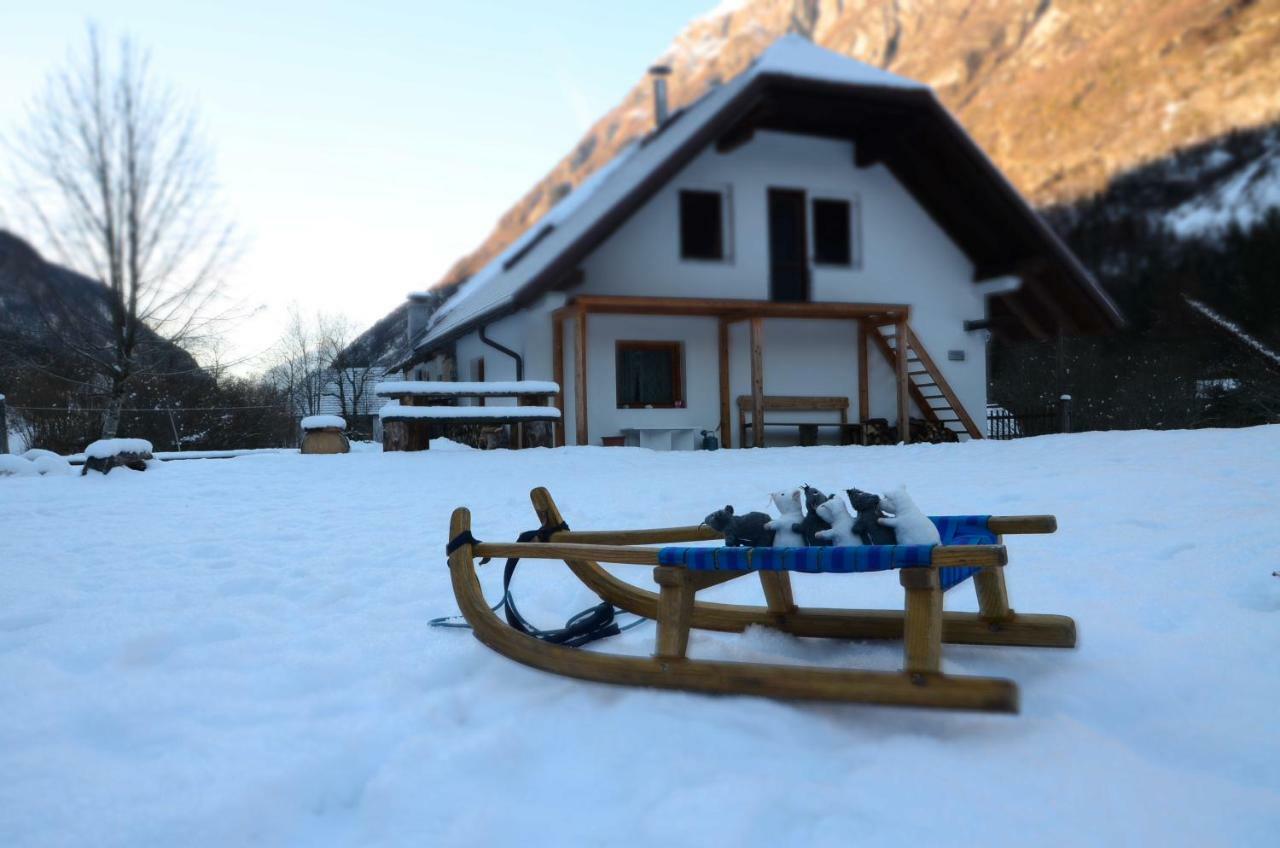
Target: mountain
40, 302
1064, 96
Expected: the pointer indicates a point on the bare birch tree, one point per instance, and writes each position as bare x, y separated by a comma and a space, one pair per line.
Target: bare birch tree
111, 168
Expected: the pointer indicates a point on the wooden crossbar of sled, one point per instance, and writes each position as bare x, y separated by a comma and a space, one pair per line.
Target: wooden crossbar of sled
921, 624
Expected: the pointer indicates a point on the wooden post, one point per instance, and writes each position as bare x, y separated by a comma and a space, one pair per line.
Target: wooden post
580, 374
726, 426
922, 625
777, 592
675, 611
4, 428
757, 382
1064, 414
900, 371
993, 596
557, 372
864, 383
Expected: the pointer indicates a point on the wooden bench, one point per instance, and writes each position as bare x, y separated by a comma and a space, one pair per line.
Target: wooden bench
808, 430
425, 406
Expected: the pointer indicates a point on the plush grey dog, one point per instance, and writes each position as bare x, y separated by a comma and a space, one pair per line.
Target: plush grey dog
868, 526
813, 522
746, 531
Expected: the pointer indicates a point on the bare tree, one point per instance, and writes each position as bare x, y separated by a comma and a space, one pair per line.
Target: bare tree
351, 378
298, 368
113, 170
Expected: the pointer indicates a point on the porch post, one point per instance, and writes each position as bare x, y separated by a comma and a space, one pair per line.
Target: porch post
757, 382
900, 372
580, 373
557, 372
726, 426
864, 387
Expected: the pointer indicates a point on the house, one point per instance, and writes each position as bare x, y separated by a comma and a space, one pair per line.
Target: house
788, 234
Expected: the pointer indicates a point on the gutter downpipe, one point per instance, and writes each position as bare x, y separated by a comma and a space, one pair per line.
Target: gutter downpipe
503, 349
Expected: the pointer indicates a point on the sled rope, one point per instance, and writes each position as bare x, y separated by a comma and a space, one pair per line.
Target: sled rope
597, 622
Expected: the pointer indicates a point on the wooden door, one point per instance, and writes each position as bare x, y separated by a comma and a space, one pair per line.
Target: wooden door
788, 246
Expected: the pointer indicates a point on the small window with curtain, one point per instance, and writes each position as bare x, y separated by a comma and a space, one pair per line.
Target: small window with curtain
834, 232
702, 218
650, 374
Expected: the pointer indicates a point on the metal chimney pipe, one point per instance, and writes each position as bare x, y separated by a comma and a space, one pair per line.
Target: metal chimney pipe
659, 74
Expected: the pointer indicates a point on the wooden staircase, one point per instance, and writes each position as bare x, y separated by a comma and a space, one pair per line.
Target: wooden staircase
925, 383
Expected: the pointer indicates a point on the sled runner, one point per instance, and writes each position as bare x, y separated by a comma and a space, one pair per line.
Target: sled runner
971, 548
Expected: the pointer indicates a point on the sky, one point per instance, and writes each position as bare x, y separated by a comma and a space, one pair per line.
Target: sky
360, 148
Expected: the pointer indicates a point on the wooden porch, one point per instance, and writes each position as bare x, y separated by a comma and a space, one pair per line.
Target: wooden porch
883, 326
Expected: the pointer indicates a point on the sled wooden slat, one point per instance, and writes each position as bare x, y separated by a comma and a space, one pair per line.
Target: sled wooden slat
991, 556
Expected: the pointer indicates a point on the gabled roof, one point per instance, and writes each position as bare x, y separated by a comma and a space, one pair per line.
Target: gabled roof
799, 87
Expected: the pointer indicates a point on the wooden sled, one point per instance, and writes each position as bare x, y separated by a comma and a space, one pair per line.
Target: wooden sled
922, 625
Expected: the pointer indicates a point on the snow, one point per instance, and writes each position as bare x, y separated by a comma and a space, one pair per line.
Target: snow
1233, 328
439, 388
442, 412
17, 466
104, 448
238, 670
495, 286
320, 422
1243, 198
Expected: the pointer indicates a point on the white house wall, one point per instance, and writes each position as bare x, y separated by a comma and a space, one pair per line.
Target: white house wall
905, 258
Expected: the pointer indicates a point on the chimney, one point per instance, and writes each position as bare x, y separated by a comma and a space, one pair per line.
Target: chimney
659, 74
419, 312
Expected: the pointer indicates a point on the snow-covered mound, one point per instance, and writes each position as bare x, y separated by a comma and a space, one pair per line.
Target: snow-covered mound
250, 672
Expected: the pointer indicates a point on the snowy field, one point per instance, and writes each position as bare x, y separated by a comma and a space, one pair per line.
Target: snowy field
234, 652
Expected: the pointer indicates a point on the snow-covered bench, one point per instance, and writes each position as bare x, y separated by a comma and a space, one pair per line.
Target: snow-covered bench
418, 407
106, 454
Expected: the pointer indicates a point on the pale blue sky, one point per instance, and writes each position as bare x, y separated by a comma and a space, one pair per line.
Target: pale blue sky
362, 147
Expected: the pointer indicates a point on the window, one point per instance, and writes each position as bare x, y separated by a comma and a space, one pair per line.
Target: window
833, 226
702, 225
650, 374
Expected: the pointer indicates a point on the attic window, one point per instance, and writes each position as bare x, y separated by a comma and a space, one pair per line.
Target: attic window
702, 225
834, 232
510, 261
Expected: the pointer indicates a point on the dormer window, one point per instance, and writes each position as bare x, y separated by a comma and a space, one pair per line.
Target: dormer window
704, 225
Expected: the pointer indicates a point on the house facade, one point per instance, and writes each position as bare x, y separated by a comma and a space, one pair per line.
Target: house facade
816, 228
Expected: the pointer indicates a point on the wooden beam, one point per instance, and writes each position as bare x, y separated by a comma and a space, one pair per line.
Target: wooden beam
902, 381
864, 380
1032, 326
735, 308
557, 371
736, 137
580, 376
757, 382
726, 425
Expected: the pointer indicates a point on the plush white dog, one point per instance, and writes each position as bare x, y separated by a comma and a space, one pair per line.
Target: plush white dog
835, 513
910, 525
786, 528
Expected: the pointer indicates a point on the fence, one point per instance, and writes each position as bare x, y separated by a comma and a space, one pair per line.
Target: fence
67, 431
1004, 424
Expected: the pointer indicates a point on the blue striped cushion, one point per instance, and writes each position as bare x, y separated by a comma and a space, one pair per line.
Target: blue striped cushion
954, 529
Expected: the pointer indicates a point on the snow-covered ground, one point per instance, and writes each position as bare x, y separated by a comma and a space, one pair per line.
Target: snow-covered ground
236, 652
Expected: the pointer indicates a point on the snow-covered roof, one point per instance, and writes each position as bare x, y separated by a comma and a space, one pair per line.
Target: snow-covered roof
434, 413
499, 282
